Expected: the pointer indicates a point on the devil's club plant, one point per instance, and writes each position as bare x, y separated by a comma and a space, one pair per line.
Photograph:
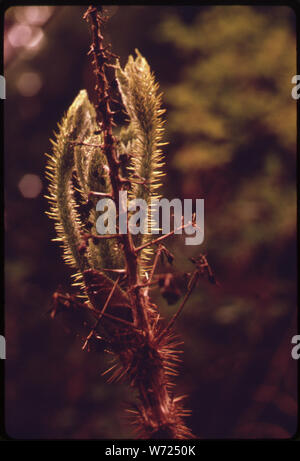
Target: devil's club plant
92, 159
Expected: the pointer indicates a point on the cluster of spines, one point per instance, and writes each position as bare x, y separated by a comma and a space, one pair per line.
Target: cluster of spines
76, 124
173, 428
136, 363
74, 150
143, 105
77, 151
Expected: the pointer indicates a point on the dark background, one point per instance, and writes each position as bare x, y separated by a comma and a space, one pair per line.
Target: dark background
231, 125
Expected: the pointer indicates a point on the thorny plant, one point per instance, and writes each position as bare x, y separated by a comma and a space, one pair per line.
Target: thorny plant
115, 274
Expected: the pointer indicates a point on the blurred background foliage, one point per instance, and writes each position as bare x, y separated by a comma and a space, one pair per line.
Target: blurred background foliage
231, 125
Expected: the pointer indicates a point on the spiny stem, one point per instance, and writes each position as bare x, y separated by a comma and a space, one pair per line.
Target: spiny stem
104, 117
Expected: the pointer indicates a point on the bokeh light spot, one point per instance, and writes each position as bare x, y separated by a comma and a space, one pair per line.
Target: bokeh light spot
19, 35
30, 186
29, 84
36, 15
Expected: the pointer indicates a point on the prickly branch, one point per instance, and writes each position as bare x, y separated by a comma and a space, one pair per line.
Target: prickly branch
91, 159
